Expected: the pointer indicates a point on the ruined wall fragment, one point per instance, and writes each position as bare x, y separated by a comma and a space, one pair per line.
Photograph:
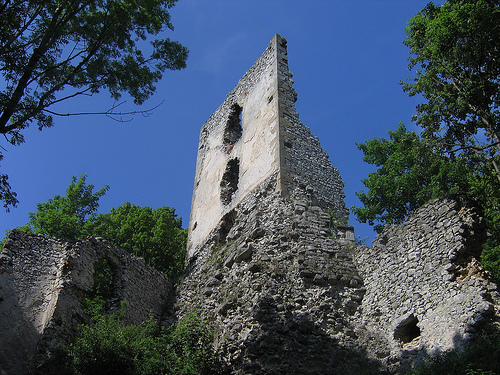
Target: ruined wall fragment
43, 281
277, 280
254, 134
426, 292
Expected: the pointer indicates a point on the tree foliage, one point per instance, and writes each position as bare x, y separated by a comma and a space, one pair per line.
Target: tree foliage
51, 51
109, 347
455, 56
455, 52
411, 171
154, 234
66, 217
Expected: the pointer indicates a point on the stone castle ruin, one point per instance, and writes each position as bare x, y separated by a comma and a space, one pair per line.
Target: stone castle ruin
271, 261
253, 136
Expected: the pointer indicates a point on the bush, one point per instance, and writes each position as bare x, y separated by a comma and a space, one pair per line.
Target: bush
109, 347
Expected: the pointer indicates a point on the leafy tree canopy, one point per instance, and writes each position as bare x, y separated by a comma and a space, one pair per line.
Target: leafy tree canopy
51, 51
411, 171
154, 234
455, 53
66, 216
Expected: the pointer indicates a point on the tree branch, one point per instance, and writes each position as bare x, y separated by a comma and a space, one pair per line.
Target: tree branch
110, 113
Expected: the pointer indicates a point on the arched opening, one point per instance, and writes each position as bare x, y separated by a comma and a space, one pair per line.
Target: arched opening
97, 300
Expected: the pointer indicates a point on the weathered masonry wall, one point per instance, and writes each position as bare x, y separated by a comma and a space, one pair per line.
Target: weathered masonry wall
271, 260
238, 147
43, 282
425, 290
276, 270
303, 161
278, 282
254, 134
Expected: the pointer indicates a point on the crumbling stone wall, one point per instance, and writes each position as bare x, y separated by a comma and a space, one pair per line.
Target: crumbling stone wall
272, 262
276, 270
254, 134
43, 281
277, 279
303, 161
425, 289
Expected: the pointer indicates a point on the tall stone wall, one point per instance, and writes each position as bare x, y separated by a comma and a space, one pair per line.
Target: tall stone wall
271, 262
426, 292
238, 147
43, 282
277, 280
254, 134
303, 161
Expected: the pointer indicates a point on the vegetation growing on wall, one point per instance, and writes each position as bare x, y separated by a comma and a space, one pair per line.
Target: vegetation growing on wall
108, 346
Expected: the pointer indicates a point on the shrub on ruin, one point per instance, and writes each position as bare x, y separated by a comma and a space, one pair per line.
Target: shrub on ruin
153, 234
110, 347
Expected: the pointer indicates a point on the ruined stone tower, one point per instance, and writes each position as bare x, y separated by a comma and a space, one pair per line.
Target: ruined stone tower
271, 260
254, 134
268, 234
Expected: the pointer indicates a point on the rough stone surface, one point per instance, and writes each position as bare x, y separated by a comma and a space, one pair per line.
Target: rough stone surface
254, 134
277, 280
426, 292
272, 262
278, 273
43, 282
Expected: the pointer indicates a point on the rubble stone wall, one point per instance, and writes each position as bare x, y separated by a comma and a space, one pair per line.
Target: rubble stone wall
277, 280
425, 289
271, 260
43, 281
303, 162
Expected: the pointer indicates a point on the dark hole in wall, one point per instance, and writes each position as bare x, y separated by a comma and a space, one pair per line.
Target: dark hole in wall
226, 224
407, 330
97, 300
233, 130
229, 183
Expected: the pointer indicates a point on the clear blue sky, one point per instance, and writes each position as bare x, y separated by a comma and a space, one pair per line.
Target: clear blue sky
347, 57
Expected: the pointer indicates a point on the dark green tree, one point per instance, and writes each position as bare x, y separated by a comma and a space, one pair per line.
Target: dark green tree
51, 51
411, 171
153, 234
67, 216
455, 53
